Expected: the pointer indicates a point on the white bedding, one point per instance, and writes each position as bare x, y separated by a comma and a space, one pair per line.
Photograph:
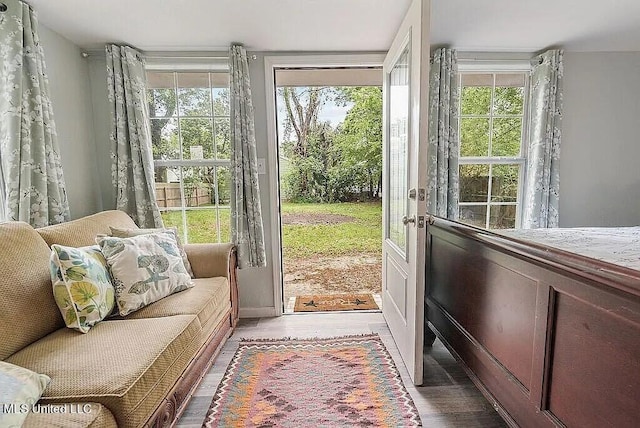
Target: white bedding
617, 245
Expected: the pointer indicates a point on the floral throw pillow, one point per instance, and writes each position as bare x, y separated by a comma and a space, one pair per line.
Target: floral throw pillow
128, 233
144, 268
20, 389
81, 285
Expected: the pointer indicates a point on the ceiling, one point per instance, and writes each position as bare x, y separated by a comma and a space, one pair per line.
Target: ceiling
339, 25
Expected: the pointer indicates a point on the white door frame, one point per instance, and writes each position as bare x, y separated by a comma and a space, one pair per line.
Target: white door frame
301, 61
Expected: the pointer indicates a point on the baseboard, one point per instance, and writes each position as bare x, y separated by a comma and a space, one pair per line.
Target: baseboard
265, 312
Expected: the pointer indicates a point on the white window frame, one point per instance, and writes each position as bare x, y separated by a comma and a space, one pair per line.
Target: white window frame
498, 67
192, 64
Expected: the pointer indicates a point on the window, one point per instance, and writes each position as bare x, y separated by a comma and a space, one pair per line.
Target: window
492, 147
190, 133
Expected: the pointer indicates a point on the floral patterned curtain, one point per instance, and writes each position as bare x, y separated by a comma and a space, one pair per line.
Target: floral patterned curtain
32, 187
246, 214
444, 144
542, 176
131, 152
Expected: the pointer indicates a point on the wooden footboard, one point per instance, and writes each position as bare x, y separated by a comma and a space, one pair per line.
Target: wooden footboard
550, 337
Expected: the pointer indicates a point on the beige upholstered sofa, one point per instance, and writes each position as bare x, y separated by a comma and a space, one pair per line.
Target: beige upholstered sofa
135, 371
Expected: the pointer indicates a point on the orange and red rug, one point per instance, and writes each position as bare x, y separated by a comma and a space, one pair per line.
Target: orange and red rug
337, 382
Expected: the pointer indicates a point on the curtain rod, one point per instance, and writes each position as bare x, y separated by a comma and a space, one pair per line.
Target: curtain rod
86, 54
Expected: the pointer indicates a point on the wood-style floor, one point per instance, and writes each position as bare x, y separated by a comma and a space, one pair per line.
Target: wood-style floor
447, 398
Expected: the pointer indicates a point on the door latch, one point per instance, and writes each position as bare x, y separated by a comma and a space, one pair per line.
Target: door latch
420, 221
406, 220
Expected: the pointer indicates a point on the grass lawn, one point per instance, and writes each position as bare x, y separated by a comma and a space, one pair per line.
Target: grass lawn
201, 224
361, 235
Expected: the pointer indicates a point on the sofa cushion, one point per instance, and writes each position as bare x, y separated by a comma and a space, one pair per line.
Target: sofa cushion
79, 415
82, 232
144, 268
205, 299
127, 365
27, 309
81, 285
21, 388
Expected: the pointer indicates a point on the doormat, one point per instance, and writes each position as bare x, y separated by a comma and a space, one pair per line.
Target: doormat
335, 302
337, 382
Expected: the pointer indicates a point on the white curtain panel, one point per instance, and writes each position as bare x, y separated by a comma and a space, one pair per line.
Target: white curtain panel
32, 187
444, 143
131, 152
246, 213
542, 183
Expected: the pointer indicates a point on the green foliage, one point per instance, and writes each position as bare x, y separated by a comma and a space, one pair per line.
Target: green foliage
326, 164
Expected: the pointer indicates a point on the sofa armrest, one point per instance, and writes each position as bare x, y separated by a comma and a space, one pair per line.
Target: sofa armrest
211, 260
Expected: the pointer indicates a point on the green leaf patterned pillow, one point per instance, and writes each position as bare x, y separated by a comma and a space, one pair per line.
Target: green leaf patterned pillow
82, 285
144, 268
20, 389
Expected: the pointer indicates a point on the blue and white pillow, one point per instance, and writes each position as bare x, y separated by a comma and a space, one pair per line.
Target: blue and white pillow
144, 268
20, 389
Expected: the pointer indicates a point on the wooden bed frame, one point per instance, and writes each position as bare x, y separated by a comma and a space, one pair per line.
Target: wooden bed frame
550, 337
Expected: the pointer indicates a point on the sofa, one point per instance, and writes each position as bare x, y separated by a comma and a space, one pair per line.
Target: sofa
133, 371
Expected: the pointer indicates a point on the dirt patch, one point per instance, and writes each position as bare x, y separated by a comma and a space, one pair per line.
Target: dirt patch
303, 219
333, 275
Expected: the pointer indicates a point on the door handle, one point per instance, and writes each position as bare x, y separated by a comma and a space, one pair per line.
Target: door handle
406, 220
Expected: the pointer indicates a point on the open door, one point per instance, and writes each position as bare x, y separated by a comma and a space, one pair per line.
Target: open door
405, 97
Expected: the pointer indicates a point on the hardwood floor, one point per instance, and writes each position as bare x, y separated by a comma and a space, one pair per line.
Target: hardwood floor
447, 398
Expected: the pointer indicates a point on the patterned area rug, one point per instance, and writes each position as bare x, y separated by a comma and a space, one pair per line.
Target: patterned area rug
336, 302
337, 382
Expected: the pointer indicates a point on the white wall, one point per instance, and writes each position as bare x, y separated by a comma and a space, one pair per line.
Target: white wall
101, 125
71, 99
256, 284
599, 171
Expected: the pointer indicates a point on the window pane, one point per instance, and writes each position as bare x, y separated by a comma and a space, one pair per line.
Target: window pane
198, 186
174, 219
201, 225
475, 215
194, 95
223, 185
197, 138
160, 80
508, 100
504, 184
507, 135
221, 101
510, 80
399, 91
162, 102
476, 93
502, 217
223, 137
225, 224
474, 183
474, 137
164, 139
168, 187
